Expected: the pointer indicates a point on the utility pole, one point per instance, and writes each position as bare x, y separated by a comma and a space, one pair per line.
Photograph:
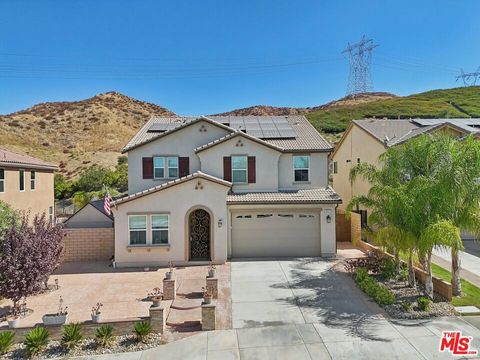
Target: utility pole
469, 79
360, 57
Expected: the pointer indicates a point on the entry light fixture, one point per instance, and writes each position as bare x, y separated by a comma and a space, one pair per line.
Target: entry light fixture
329, 219
220, 223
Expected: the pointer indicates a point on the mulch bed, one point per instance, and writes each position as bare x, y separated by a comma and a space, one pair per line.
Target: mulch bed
120, 344
405, 294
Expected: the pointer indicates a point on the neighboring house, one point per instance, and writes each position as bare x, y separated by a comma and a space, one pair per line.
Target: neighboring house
204, 189
26, 183
366, 140
91, 215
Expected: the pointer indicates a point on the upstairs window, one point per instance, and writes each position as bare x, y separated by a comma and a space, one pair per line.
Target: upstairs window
172, 167
21, 177
239, 169
2, 180
159, 229
32, 180
137, 228
165, 167
301, 168
158, 167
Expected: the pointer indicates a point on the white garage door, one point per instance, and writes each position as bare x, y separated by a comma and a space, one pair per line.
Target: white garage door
275, 233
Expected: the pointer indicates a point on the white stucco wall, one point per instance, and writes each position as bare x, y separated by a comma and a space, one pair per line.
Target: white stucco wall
266, 162
176, 201
318, 172
180, 143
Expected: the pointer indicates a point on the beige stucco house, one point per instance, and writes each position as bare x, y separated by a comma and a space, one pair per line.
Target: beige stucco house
366, 140
26, 183
207, 189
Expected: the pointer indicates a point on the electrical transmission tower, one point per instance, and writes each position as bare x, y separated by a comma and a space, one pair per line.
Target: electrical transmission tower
360, 57
469, 79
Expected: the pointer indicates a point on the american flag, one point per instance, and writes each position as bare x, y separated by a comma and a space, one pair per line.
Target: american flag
106, 204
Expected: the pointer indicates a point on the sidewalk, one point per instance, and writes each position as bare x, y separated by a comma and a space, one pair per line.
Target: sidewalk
470, 264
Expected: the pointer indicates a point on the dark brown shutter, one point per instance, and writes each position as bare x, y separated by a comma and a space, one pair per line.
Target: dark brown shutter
251, 170
227, 168
184, 166
147, 165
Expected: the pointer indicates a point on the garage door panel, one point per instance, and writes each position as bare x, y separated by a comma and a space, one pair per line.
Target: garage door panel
275, 233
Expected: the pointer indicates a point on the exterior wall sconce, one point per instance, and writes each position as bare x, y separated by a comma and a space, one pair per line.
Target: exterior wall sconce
220, 223
329, 219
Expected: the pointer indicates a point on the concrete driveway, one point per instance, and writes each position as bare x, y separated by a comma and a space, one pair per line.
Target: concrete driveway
297, 291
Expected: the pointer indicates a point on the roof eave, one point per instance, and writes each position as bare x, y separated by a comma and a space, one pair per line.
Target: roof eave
19, 165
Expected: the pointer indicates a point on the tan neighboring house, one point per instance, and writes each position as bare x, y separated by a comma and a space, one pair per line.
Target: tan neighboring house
207, 189
26, 183
366, 140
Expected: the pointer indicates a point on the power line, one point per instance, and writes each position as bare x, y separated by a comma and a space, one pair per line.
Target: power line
469, 79
360, 57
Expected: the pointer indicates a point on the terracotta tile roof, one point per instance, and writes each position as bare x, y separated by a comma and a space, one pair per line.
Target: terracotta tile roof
307, 137
168, 184
10, 158
312, 196
393, 132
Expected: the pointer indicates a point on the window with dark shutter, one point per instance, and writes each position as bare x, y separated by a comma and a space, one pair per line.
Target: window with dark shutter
184, 166
251, 170
147, 167
227, 168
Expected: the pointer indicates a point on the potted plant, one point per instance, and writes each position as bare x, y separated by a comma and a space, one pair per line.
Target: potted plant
207, 296
211, 270
156, 296
169, 273
59, 318
96, 313
13, 321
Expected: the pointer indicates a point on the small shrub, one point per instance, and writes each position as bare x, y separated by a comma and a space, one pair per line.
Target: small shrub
372, 263
407, 306
387, 269
36, 340
383, 295
360, 274
6, 341
380, 293
142, 329
72, 336
104, 335
403, 275
423, 303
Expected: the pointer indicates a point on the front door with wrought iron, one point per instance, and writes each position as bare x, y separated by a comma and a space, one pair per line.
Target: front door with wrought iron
199, 224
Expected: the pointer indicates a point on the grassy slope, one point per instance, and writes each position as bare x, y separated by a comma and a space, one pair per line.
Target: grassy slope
471, 293
431, 104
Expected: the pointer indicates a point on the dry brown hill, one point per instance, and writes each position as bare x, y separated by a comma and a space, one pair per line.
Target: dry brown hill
79, 133
263, 110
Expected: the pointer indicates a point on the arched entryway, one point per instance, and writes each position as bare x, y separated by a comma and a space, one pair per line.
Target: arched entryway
199, 226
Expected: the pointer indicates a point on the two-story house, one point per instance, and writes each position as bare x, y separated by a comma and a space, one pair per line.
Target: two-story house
26, 183
206, 189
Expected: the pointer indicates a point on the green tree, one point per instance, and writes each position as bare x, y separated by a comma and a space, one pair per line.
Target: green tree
424, 187
63, 187
94, 179
8, 217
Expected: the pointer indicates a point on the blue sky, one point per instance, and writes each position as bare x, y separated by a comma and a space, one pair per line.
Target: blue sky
203, 57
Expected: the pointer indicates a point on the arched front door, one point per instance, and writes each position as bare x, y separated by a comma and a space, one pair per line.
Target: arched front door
199, 228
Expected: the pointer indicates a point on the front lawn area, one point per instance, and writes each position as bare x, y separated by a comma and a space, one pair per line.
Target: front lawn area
471, 293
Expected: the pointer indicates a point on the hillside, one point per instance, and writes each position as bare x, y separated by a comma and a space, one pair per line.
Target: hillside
77, 134
461, 102
264, 110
